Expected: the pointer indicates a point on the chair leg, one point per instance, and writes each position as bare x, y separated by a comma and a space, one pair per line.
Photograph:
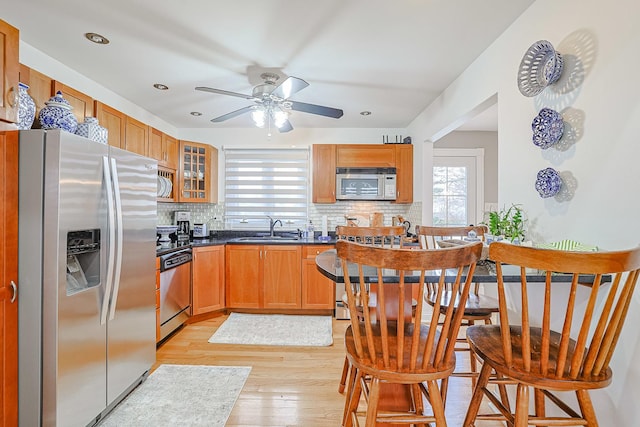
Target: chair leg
436, 403
349, 394
586, 408
444, 387
476, 399
352, 399
538, 399
522, 406
345, 373
372, 405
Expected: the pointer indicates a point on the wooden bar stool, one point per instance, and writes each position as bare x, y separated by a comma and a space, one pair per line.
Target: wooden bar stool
573, 355
376, 236
479, 308
392, 350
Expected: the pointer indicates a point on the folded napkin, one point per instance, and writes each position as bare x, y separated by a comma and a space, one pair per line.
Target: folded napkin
568, 245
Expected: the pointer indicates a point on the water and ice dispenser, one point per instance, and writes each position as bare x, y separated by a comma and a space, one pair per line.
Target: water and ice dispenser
83, 260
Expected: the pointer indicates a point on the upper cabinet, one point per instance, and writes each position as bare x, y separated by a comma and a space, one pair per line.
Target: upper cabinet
365, 156
324, 173
83, 105
136, 136
197, 174
114, 121
40, 88
326, 157
9, 71
163, 148
404, 173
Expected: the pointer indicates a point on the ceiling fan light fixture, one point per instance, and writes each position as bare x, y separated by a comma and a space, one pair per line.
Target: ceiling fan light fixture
279, 117
258, 115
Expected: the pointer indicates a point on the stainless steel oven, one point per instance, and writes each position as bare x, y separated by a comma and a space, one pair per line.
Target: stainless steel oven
175, 290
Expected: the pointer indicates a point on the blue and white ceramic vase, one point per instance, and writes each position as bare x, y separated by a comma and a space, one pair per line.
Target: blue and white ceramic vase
26, 108
57, 114
92, 130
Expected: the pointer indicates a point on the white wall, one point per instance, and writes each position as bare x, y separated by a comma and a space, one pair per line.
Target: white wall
600, 96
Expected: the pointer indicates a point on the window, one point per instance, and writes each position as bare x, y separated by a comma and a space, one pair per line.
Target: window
261, 182
457, 186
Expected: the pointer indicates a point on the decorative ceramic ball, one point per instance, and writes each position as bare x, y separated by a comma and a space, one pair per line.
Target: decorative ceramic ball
547, 128
57, 114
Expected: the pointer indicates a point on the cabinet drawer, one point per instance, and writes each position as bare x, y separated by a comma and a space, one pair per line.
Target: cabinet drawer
311, 251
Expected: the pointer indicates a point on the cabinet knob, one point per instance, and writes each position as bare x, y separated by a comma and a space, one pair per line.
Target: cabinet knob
14, 289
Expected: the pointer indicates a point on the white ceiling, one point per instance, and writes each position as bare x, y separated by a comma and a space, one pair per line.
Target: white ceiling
392, 58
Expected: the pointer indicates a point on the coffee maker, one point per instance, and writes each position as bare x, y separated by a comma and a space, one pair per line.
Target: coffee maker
183, 221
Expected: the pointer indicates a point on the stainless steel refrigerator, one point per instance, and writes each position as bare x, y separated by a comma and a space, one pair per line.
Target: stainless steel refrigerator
87, 233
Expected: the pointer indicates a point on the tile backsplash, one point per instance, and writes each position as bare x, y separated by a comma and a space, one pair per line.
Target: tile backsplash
212, 214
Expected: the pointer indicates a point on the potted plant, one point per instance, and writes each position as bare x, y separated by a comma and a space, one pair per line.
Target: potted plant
507, 222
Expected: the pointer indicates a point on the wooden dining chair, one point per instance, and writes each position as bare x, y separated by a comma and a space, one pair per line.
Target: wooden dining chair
563, 340
384, 236
392, 349
479, 307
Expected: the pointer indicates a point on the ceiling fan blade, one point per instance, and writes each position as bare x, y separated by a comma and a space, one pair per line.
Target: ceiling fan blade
316, 109
233, 114
286, 127
289, 87
224, 92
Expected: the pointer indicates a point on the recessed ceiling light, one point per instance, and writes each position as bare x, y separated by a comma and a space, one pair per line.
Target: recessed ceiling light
96, 38
365, 113
196, 113
160, 86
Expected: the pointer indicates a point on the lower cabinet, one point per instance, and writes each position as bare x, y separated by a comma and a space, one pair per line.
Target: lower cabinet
318, 291
207, 290
263, 276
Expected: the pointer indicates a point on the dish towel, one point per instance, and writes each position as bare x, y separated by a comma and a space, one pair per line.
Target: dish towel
568, 245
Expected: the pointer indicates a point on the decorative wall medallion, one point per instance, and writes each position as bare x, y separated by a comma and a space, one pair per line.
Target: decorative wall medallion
548, 182
547, 128
541, 66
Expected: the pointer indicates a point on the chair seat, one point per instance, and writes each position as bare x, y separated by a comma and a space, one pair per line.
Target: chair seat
393, 373
486, 341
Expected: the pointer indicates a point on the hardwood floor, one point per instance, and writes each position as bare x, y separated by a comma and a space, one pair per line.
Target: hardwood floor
288, 386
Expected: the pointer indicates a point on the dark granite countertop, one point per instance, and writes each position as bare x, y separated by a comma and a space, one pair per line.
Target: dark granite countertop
223, 237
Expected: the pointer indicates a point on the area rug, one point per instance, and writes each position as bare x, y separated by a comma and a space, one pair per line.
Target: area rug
275, 329
184, 395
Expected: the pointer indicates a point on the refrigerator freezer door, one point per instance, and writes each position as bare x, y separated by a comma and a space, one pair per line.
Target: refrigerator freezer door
131, 325
76, 170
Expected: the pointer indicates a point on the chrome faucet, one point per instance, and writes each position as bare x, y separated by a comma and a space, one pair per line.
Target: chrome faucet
272, 224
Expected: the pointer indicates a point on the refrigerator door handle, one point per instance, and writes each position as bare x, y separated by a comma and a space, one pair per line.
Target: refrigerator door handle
119, 238
106, 172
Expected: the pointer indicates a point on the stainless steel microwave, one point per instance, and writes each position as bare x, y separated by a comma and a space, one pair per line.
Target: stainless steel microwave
365, 183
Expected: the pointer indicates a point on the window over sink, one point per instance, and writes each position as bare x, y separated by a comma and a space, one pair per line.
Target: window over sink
266, 182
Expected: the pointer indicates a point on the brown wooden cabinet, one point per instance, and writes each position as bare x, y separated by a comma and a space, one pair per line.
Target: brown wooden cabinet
324, 173
114, 121
404, 170
326, 157
40, 88
8, 278
197, 173
83, 105
263, 276
365, 155
136, 136
318, 291
163, 148
9, 71
208, 279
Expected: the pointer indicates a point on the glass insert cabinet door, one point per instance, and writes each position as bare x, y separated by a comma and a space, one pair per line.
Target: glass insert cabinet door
195, 176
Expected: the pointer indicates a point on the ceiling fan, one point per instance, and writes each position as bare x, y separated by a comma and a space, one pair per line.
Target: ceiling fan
272, 103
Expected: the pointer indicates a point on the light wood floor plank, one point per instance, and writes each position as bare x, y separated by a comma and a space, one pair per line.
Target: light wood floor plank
288, 386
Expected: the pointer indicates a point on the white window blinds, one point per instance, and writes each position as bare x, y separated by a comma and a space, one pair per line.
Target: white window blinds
261, 182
